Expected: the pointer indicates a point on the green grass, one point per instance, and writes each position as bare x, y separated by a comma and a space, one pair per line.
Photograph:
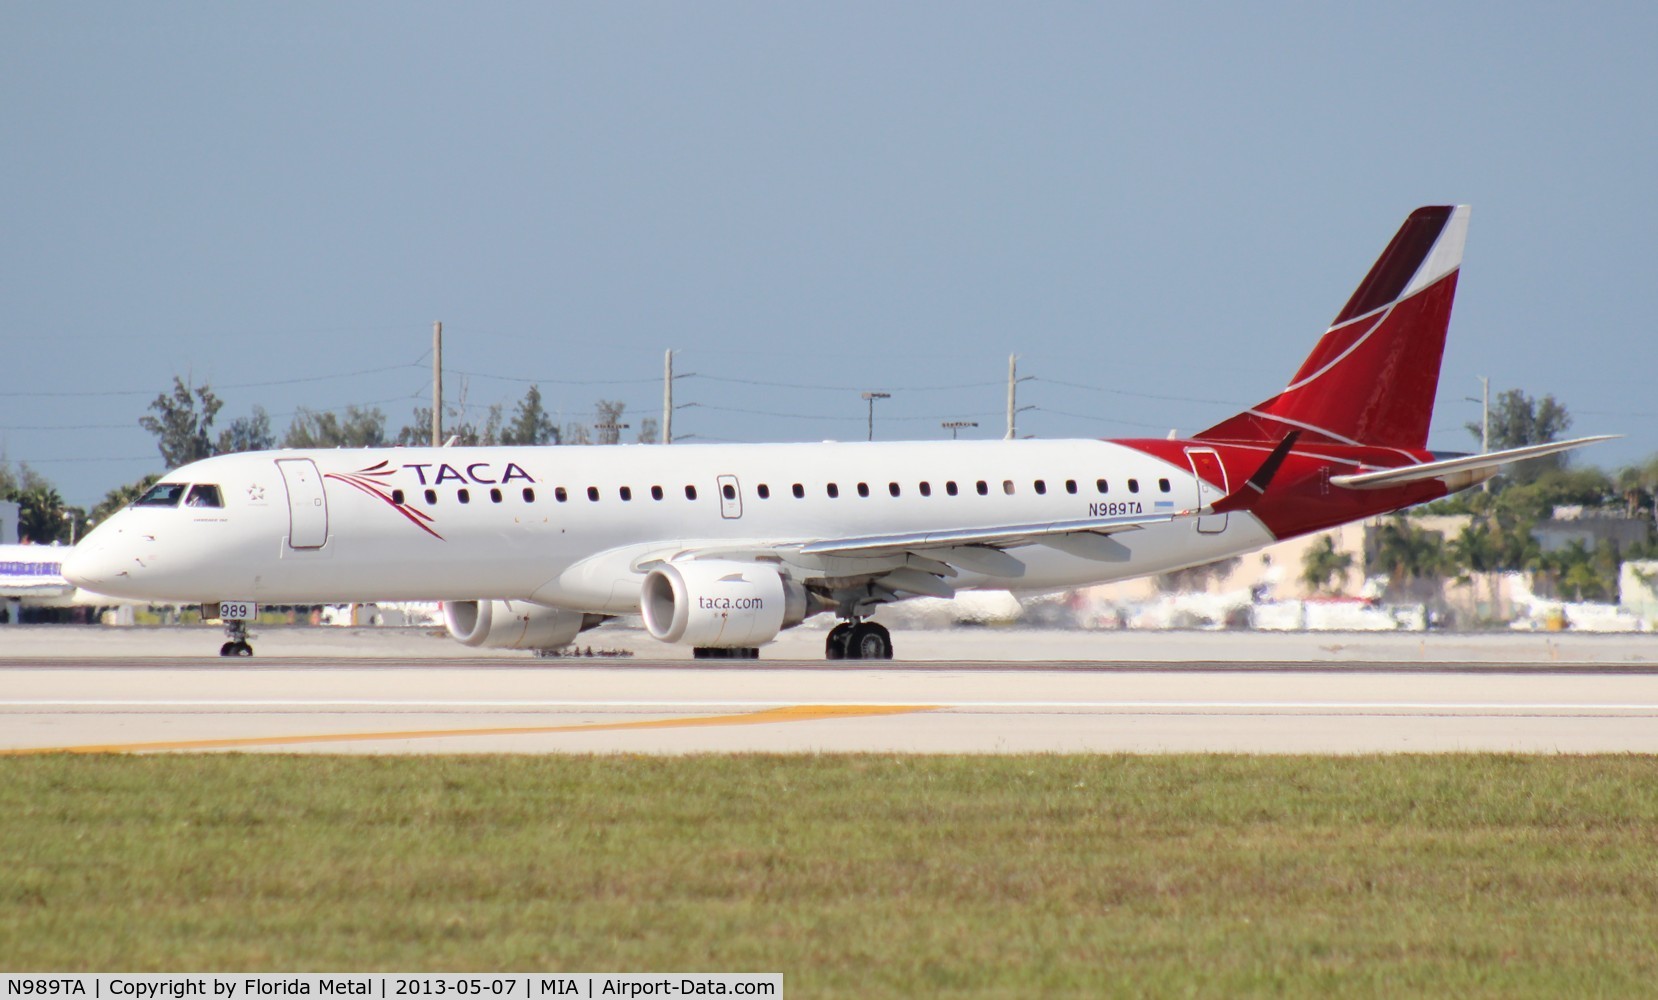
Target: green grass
853, 875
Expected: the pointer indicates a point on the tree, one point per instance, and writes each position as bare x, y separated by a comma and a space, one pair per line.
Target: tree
1518, 420
183, 423
607, 421
1412, 557
1323, 563
361, 428
122, 496
248, 433
40, 510
40, 515
530, 423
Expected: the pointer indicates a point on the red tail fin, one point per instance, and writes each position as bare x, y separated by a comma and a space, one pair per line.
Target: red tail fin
1372, 378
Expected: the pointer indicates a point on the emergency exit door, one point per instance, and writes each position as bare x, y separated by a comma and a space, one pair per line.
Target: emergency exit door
731, 498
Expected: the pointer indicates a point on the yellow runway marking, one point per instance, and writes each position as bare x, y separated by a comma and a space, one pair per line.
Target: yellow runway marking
793, 713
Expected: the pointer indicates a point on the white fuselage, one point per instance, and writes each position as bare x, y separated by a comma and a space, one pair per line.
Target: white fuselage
571, 526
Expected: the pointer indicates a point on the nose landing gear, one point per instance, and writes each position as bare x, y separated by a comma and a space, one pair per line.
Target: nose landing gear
238, 644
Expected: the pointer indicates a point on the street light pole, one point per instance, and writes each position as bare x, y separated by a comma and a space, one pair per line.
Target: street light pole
871, 397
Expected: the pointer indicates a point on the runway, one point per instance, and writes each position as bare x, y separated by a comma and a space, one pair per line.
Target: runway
677, 707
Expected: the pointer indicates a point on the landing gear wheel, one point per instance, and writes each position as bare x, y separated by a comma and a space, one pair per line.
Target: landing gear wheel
725, 652
834, 647
869, 642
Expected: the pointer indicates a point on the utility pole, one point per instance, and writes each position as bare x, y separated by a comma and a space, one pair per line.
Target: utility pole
1485, 422
872, 397
437, 384
668, 398
1485, 414
1012, 403
955, 425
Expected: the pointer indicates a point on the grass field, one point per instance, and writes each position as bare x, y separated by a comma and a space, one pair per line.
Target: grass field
852, 875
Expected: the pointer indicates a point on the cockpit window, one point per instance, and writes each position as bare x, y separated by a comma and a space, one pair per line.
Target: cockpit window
203, 495
162, 495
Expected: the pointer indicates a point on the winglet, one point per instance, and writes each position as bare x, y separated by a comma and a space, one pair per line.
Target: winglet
1256, 485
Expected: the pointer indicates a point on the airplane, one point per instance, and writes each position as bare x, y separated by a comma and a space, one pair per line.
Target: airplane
721, 547
31, 576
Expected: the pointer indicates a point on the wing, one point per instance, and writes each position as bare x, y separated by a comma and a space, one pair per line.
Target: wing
877, 568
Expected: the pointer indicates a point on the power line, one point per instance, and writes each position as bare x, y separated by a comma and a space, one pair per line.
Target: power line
1136, 395
822, 416
842, 388
233, 385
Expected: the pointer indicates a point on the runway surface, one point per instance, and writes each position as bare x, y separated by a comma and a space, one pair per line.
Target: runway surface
531, 706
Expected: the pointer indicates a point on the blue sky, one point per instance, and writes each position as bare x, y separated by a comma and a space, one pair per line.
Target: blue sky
1158, 207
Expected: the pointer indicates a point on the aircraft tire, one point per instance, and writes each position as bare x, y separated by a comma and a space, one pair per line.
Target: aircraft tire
869, 642
835, 646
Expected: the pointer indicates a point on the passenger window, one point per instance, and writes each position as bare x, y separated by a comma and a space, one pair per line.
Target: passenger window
529, 495
161, 495
728, 491
1070, 485
432, 497
863, 489
983, 488
1041, 487
560, 494
202, 495
1134, 486
463, 496
1163, 485
950, 487
1007, 486
593, 493
926, 488
397, 497
892, 488
626, 493
656, 492
494, 495
799, 492
834, 491
763, 491
1100, 485
690, 492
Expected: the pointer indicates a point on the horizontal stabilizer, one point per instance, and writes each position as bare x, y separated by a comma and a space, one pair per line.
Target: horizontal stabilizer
1459, 473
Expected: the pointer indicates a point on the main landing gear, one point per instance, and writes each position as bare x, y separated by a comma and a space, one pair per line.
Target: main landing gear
855, 640
238, 644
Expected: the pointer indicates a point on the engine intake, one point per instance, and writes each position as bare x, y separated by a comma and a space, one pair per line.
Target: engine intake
719, 603
514, 624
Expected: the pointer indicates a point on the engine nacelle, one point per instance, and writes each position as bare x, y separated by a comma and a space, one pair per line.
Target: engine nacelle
718, 603
513, 624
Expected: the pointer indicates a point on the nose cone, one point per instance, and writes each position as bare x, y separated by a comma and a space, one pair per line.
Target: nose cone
101, 564
88, 566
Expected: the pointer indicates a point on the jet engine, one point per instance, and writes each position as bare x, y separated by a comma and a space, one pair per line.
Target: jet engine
514, 624
720, 604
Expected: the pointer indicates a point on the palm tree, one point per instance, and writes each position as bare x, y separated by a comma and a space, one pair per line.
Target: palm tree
1413, 558
1323, 563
